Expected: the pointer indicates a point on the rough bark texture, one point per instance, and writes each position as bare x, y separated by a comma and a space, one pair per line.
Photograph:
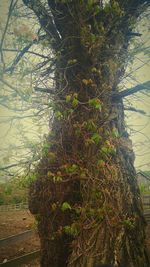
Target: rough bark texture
86, 197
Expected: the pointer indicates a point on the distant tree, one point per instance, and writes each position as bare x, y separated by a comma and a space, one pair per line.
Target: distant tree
86, 198
12, 192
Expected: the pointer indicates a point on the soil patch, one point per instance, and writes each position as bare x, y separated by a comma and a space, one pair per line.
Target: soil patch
15, 222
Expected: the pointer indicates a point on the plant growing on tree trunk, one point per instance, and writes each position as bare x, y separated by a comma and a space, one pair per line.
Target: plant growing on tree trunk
86, 198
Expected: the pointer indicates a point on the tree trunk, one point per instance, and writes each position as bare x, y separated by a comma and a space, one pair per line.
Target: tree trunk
86, 197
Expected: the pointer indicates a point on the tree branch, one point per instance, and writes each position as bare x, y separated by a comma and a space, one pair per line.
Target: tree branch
133, 7
29, 52
45, 19
44, 90
18, 58
9, 85
135, 110
13, 165
21, 54
131, 91
11, 7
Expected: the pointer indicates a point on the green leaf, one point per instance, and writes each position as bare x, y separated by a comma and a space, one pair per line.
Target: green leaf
128, 224
68, 98
100, 163
94, 70
67, 229
51, 156
105, 150
58, 115
85, 82
115, 133
90, 125
45, 149
72, 168
50, 174
65, 206
96, 138
78, 210
95, 103
75, 102
72, 229
72, 61
57, 179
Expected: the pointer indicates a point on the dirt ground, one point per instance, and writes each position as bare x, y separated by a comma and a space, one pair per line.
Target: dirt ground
15, 222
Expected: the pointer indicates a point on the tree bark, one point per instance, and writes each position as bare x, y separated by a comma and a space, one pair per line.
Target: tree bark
86, 198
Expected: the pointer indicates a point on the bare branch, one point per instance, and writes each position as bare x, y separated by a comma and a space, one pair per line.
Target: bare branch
29, 52
10, 119
9, 85
11, 7
131, 91
13, 109
18, 58
13, 165
44, 90
45, 19
17, 164
135, 110
133, 7
21, 54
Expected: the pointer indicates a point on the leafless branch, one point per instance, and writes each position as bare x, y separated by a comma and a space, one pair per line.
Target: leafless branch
16, 164
45, 19
8, 85
29, 52
39, 113
13, 165
135, 110
44, 90
131, 91
21, 54
11, 7
18, 58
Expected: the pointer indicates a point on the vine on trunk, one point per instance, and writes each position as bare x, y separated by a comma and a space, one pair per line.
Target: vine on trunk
86, 196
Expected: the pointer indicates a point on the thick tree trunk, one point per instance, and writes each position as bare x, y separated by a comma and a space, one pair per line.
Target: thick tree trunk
103, 190
90, 166
86, 196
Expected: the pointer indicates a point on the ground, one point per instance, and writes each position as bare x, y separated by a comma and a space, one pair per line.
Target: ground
15, 222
